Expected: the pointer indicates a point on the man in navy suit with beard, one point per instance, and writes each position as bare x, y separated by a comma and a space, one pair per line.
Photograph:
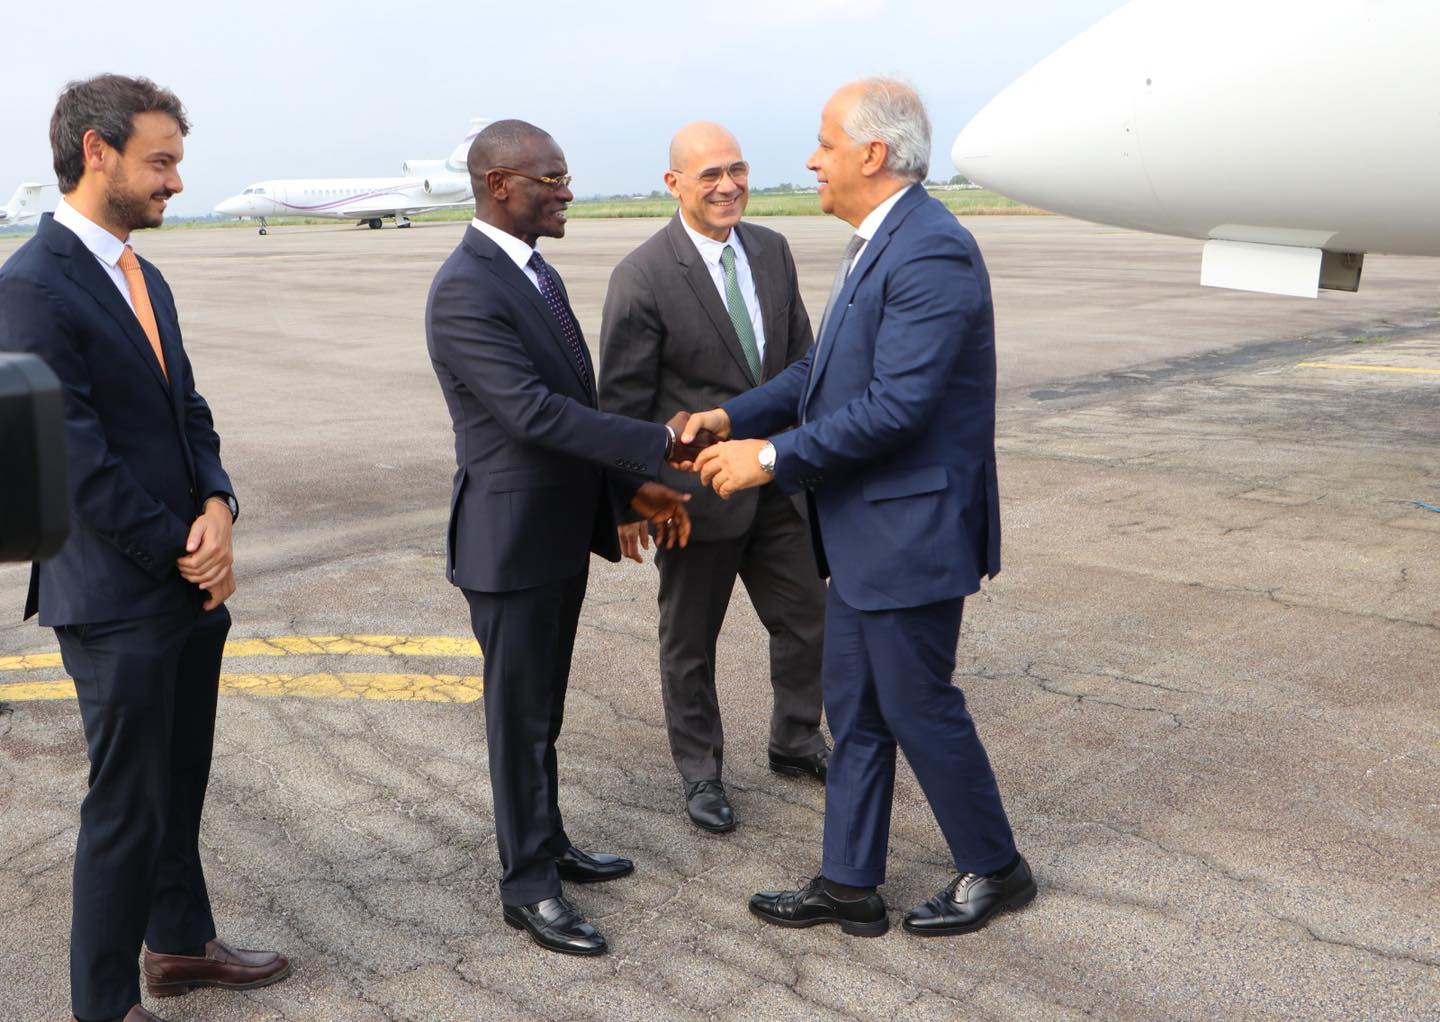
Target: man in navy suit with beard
136, 595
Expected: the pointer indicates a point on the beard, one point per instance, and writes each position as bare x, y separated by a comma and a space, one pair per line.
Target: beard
127, 209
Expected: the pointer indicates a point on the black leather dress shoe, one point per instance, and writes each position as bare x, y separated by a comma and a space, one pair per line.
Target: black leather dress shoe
813, 765
971, 900
811, 906
556, 925
590, 867
708, 807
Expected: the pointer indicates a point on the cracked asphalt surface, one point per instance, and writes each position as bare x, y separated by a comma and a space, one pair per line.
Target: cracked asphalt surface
1207, 676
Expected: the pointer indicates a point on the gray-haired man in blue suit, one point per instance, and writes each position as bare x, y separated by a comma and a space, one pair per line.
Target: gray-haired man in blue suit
895, 446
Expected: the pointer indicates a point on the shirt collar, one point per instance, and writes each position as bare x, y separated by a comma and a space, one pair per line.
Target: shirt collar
877, 216
102, 244
517, 250
710, 249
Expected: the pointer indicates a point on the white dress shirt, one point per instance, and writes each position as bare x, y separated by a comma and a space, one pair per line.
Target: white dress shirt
872, 223
710, 251
104, 246
520, 252
512, 246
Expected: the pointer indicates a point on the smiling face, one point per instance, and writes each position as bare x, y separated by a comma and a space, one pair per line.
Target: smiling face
536, 209
139, 180
703, 151
839, 163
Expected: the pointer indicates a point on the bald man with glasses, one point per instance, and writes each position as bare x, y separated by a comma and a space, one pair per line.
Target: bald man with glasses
702, 312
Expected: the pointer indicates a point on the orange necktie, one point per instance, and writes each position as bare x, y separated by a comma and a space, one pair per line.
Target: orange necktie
140, 298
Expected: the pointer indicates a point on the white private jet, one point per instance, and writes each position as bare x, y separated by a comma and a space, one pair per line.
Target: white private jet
425, 185
1292, 136
25, 206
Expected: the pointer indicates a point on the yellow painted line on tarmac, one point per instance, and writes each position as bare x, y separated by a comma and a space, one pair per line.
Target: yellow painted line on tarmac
424, 688
29, 661
434, 688
304, 645
1368, 369
29, 691
354, 645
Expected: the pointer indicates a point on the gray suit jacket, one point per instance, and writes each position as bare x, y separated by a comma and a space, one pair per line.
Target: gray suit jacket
667, 345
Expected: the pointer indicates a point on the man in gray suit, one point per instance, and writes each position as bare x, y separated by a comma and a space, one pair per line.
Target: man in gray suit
701, 312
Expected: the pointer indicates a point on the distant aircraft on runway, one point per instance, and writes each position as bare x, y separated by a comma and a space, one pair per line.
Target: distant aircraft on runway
1293, 136
425, 185
25, 206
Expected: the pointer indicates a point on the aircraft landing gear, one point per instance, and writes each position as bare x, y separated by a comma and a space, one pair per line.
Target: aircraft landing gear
375, 224
401, 221
262, 226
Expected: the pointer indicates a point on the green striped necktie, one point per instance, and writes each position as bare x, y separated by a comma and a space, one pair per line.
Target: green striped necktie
739, 314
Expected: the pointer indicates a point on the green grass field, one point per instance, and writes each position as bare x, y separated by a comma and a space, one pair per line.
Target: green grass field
973, 202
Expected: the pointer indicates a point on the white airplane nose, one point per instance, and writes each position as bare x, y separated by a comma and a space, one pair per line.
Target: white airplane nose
1064, 136
233, 206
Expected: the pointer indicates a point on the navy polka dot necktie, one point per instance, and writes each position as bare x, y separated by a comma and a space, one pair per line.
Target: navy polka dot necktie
550, 291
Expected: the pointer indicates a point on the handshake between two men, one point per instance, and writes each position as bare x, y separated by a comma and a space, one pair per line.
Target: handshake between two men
702, 445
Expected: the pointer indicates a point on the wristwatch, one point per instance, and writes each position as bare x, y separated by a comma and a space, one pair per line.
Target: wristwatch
767, 458
230, 502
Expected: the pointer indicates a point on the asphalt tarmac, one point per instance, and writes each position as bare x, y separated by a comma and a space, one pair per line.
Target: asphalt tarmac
1208, 676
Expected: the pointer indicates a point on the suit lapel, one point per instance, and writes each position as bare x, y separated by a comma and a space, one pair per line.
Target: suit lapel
580, 334
505, 269
763, 271
697, 275
873, 250
169, 328
83, 268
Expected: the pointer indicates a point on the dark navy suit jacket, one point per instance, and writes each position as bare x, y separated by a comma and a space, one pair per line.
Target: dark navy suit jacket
897, 401
540, 472
142, 455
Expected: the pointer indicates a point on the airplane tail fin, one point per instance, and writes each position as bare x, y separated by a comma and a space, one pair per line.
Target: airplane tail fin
24, 204
456, 160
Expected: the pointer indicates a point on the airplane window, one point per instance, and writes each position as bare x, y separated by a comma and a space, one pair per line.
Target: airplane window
247, 191
259, 191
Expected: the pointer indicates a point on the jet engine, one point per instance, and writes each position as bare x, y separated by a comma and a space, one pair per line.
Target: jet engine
452, 187
423, 168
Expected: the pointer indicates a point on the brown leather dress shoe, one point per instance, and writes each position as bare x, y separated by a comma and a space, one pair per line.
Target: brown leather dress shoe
222, 966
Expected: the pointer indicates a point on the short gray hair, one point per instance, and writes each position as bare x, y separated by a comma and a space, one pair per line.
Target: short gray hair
891, 112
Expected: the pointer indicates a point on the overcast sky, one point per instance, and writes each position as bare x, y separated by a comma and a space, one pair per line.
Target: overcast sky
303, 88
